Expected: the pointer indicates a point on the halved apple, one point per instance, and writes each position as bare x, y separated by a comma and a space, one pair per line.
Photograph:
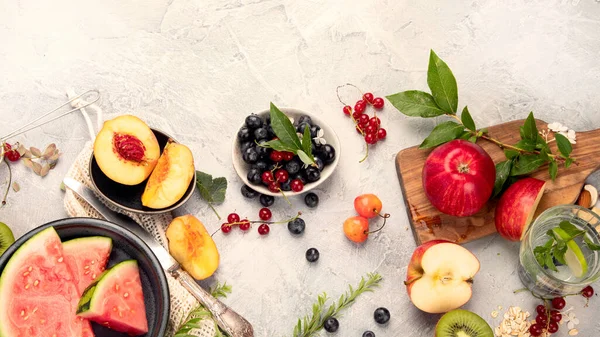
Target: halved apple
126, 150
516, 208
171, 177
440, 275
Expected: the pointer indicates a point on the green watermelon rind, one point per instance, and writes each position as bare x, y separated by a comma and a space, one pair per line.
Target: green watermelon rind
86, 239
31, 245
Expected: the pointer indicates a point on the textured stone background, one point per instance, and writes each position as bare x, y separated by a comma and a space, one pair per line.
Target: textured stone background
196, 68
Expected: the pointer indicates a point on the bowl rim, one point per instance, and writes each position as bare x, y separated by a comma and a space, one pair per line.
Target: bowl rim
104, 224
176, 205
263, 190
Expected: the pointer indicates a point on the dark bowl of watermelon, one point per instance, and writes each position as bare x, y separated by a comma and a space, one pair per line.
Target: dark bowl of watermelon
82, 277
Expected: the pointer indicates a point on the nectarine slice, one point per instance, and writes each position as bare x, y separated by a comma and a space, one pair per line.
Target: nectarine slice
126, 150
171, 177
193, 247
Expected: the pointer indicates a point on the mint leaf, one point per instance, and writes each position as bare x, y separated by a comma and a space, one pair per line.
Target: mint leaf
529, 129
570, 229
550, 262
553, 168
277, 145
283, 128
540, 255
415, 103
442, 83
590, 244
502, 173
307, 142
467, 120
525, 164
564, 146
559, 251
441, 134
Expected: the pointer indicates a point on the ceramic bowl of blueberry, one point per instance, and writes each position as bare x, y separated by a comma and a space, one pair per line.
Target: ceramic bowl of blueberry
272, 172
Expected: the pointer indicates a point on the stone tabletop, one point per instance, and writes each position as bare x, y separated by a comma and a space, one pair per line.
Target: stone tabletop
196, 68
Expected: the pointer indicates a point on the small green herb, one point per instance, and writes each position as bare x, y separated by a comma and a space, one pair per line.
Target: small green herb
288, 138
211, 190
194, 320
309, 325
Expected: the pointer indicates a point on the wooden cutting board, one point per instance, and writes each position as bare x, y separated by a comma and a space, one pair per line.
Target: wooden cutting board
428, 223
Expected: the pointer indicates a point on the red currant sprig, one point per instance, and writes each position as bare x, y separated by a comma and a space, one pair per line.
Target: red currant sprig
244, 224
10, 153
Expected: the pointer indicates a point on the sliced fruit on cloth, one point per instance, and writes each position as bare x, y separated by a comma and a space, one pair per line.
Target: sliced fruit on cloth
116, 300
87, 258
573, 256
6, 237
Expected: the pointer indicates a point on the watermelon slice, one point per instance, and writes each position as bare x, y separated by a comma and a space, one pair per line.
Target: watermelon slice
38, 294
116, 300
87, 258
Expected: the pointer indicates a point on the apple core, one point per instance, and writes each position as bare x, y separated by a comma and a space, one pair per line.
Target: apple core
129, 147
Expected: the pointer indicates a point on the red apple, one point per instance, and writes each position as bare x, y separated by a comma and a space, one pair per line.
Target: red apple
516, 207
440, 275
458, 178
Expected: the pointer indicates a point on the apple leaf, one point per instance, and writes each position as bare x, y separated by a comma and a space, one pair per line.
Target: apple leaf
564, 146
442, 84
553, 169
442, 133
510, 154
529, 129
502, 173
416, 103
467, 120
211, 190
288, 138
525, 164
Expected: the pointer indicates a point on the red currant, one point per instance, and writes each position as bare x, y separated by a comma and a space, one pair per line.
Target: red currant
552, 327
356, 115
287, 156
535, 330
370, 138
233, 217
371, 129
587, 292
348, 110
378, 103
558, 303
274, 187
225, 228
363, 120
296, 185
359, 129
263, 229
368, 97
360, 106
13, 155
7, 147
281, 175
276, 156
542, 320
375, 121
264, 214
245, 225
381, 133
540, 309
555, 316
267, 177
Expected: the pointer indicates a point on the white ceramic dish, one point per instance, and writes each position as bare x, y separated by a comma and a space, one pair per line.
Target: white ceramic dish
330, 137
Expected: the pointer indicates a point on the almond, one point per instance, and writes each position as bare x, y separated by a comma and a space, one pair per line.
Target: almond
585, 199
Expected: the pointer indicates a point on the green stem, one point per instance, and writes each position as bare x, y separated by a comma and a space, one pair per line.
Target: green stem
214, 210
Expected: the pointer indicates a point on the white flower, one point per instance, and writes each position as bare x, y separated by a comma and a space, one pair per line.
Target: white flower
319, 138
557, 127
563, 130
571, 320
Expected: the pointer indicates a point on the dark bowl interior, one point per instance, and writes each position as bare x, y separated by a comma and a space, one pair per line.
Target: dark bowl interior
126, 245
130, 197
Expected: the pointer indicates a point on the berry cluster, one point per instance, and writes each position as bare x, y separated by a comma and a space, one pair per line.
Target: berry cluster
277, 170
10, 153
381, 316
295, 225
548, 316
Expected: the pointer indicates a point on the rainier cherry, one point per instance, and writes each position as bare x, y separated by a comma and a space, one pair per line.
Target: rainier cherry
368, 205
356, 228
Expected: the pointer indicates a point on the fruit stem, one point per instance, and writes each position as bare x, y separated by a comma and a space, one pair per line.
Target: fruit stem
9, 182
385, 217
214, 210
285, 197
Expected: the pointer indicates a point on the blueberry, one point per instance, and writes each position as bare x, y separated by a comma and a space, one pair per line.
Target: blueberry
285, 186
327, 153
311, 200
319, 162
263, 152
254, 122
261, 133
316, 147
292, 166
305, 119
270, 132
266, 200
244, 134
271, 166
314, 130
331, 324
302, 126
312, 174
245, 146
297, 226
248, 192
368, 333
268, 120
255, 176
312, 254
261, 165
250, 156
381, 315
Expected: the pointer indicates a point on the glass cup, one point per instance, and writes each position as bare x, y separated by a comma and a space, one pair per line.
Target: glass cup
546, 282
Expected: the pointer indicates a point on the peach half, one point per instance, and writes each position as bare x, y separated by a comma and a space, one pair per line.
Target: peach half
126, 150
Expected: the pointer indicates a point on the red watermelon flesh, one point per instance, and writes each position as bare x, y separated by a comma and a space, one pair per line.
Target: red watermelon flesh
116, 300
38, 295
87, 258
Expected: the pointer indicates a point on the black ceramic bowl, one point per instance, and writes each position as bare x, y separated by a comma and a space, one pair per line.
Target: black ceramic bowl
130, 197
126, 245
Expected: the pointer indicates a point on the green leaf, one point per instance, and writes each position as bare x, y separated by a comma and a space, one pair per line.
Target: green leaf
305, 158
590, 244
570, 229
529, 129
467, 120
442, 133
442, 83
564, 146
553, 169
307, 142
540, 255
559, 251
218, 189
550, 263
568, 162
526, 164
415, 103
283, 128
278, 145
502, 173
526, 144
542, 144
466, 135
211, 190
473, 139
510, 154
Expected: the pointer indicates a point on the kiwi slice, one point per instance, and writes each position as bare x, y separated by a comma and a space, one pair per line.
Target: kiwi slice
6, 237
462, 323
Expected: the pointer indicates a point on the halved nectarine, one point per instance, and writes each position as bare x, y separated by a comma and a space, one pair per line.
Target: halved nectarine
126, 150
193, 247
171, 177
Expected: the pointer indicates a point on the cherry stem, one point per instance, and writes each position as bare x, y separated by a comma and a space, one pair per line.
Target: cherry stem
385, 217
285, 197
9, 182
